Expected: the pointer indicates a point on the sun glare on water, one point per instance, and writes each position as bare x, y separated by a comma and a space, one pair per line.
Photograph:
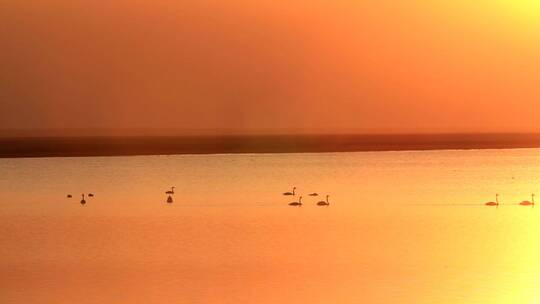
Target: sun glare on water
521, 11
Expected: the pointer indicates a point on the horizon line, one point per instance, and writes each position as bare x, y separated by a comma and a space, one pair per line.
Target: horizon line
117, 134
14, 147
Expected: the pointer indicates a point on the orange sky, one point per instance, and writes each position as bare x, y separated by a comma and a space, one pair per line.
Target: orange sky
271, 66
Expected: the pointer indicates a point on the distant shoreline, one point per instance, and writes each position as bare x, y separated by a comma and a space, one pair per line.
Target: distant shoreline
17, 147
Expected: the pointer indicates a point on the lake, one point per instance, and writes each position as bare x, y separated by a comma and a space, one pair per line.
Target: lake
402, 227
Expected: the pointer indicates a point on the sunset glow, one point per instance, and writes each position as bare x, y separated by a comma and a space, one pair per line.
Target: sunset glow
271, 67
269, 151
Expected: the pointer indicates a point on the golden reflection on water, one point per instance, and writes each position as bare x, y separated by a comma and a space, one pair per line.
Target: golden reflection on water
402, 227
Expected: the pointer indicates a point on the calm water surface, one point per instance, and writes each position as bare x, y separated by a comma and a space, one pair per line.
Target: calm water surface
402, 227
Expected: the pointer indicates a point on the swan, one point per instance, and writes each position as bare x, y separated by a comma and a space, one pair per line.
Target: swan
170, 191
528, 203
314, 194
82, 200
169, 199
299, 203
324, 203
290, 193
495, 203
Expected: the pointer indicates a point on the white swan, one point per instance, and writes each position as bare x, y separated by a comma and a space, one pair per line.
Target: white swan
495, 203
528, 203
299, 203
290, 193
324, 203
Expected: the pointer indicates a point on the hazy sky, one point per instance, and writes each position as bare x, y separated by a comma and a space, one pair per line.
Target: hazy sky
270, 65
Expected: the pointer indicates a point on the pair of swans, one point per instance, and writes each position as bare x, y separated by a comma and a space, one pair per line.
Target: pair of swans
293, 193
320, 203
169, 192
83, 201
522, 203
